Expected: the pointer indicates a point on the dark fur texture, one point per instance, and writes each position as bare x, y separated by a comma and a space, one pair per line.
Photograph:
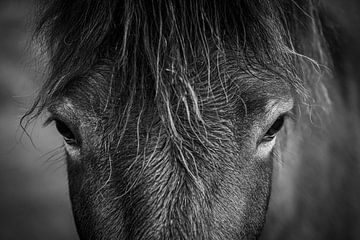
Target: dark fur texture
164, 96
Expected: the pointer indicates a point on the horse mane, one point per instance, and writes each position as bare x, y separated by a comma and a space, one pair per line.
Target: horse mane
156, 49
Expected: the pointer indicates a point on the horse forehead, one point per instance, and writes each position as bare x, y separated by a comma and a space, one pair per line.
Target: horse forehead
224, 80
262, 91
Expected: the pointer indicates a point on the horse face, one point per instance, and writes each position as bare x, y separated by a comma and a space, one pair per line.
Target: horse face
171, 111
211, 181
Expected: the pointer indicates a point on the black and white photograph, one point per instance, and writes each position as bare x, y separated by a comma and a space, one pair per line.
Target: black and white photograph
179, 119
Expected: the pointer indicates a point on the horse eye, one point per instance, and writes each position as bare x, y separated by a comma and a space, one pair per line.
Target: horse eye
274, 129
65, 131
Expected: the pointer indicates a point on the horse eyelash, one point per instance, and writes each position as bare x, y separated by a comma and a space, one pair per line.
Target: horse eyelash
49, 120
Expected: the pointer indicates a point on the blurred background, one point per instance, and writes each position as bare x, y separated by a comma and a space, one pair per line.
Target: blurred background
318, 198
34, 201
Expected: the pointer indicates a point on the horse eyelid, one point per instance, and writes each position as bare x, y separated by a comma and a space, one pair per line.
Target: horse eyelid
285, 116
73, 140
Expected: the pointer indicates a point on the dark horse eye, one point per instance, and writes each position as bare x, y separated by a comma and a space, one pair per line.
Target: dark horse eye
66, 132
274, 129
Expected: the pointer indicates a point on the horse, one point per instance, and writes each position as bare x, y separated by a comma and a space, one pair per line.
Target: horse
173, 113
